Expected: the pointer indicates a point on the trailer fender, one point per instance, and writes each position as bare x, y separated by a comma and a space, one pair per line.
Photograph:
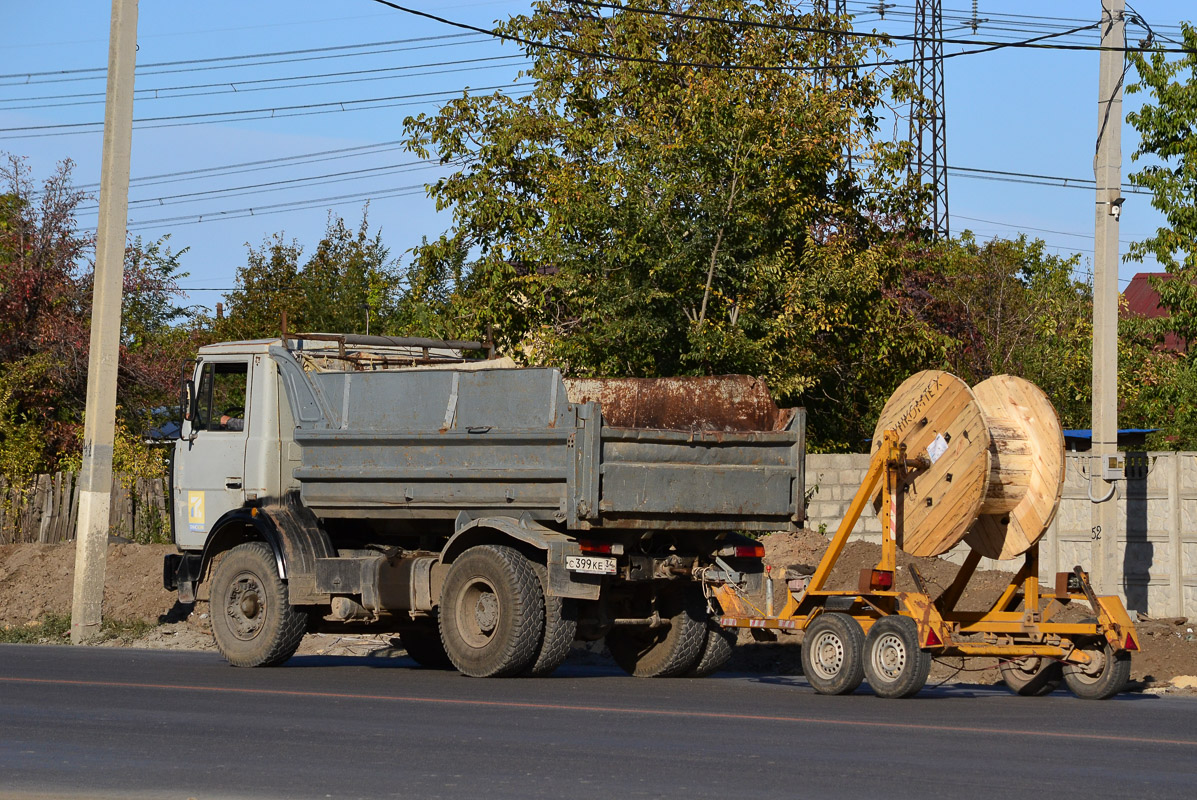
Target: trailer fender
294, 537
528, 532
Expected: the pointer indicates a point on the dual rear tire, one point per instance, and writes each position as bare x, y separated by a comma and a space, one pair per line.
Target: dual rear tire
837, 656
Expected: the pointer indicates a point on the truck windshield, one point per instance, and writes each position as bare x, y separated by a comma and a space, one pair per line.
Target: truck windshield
221, 396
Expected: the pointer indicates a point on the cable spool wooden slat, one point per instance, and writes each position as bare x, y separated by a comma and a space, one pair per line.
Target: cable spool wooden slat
937, 410
1027, 474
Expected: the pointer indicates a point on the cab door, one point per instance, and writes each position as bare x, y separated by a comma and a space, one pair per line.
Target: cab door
209, 468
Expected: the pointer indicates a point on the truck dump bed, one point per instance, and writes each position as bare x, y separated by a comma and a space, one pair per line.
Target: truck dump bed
432, 442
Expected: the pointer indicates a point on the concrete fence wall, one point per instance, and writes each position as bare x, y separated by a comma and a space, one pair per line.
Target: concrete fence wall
1150, 561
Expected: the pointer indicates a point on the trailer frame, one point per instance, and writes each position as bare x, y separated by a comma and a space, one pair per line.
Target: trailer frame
1004, 631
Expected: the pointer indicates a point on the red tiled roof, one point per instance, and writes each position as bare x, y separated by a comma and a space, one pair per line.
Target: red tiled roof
1142, 299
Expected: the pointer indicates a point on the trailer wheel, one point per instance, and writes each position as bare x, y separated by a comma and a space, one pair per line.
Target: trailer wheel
832, 650
894, 664
664, 652
424, 646
560, 628
1103, 677
492, 612
716, 650
1032, 676
252, 620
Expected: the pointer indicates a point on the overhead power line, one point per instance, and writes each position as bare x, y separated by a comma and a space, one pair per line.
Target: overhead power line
280, 185
305, 109
330, 48
246, 86
872, 35
261, 211
707, 65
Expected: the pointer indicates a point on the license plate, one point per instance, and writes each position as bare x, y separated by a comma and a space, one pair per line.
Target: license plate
590, 564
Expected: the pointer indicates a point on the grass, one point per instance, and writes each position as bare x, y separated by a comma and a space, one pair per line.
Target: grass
56, 629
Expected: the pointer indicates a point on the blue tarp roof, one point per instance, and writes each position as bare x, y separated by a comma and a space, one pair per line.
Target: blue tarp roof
1087, 433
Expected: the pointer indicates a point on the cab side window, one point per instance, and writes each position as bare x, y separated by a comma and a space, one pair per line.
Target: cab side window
221, 396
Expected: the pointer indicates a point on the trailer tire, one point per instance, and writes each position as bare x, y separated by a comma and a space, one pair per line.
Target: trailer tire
666, 652
492, 612
1106, 677
894, 663
560, 628
1031, 676
832, 649
424, 646
716, 650
252, 621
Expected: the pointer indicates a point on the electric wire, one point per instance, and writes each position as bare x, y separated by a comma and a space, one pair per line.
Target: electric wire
246, 86
607, 56
209, 117
280, 185
873, 35
104, 70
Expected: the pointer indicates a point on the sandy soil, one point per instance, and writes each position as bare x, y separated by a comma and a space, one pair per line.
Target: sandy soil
36, 580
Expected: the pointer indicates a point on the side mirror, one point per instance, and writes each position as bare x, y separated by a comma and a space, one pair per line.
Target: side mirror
187, 400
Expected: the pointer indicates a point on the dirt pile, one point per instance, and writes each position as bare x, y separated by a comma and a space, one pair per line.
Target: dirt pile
36, 580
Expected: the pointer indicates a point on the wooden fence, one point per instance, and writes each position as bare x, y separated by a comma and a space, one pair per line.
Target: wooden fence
46, 509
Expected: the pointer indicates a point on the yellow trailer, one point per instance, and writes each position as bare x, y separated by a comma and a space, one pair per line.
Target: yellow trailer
923, 481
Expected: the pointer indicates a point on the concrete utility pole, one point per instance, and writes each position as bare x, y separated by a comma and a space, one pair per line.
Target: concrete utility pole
95, 478
1107, 169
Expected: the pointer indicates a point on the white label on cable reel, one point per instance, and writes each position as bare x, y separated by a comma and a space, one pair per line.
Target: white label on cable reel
937, 448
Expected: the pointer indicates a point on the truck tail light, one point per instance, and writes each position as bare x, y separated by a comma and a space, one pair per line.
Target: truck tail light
750, 550
606, 548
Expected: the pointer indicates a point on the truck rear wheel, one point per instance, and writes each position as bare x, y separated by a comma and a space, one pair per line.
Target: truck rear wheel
667, 651
423, 646
252, 621
492, 612
716, 650
560, 628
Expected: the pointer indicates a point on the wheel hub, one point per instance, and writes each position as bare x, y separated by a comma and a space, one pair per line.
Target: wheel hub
828, 655
245, 606
486, 611
1097, 663
250, 605
889, 656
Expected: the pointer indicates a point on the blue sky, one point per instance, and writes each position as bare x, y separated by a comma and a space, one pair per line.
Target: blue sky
1014, 110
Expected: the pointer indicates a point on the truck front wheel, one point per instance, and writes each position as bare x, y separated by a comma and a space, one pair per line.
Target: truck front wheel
492, 612
252, 621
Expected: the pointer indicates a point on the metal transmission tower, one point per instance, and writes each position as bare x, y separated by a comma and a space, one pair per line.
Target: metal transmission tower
840, 9
928, 131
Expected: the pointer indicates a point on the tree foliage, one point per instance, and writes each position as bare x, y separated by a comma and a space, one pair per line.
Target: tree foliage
629, 217
348, 284
1165, 382
46, 273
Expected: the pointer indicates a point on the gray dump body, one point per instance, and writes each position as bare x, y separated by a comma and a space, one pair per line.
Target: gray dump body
434, 443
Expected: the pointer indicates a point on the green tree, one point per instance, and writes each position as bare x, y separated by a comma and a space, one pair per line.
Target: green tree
629, 217
1007, 307
348, 284
1167, 125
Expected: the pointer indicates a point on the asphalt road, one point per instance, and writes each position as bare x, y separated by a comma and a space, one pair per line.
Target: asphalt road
97, 722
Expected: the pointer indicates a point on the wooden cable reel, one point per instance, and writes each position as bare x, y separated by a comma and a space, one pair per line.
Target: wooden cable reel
997, 463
